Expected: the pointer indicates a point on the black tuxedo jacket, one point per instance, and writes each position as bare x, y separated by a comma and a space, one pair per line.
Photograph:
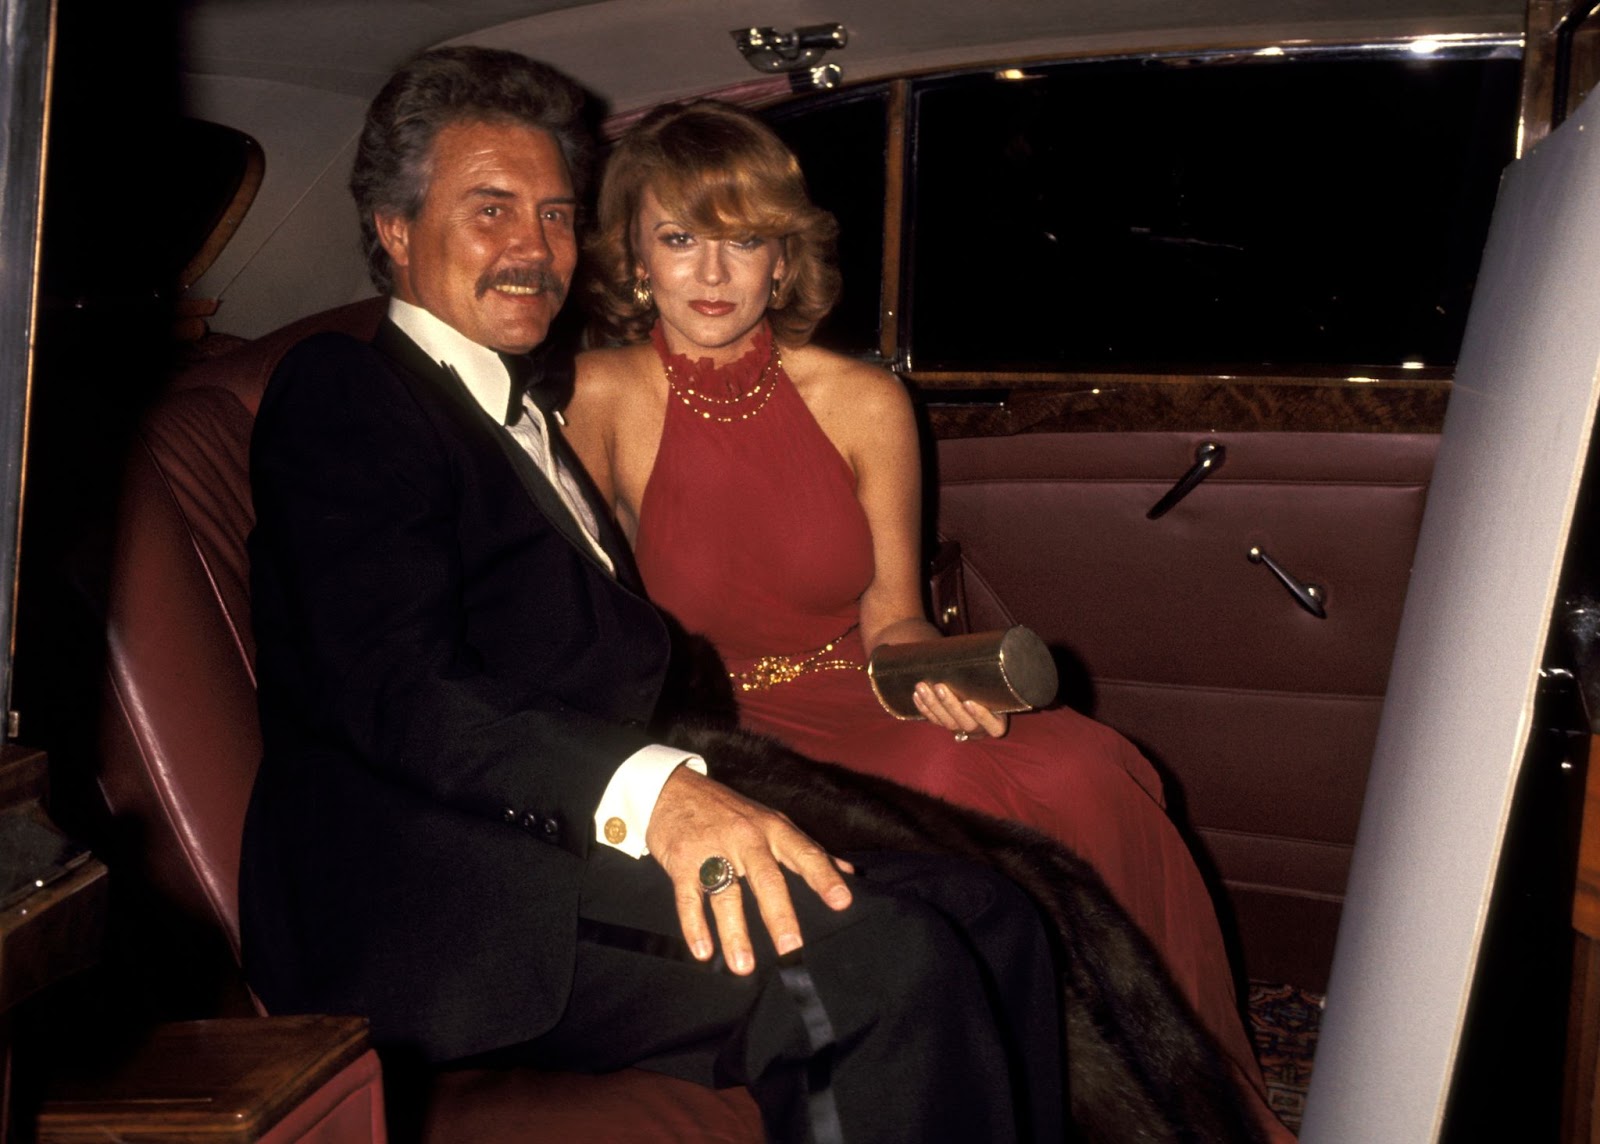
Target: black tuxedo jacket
448, 679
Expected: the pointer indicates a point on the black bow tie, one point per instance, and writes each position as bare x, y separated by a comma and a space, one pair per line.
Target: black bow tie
525, 373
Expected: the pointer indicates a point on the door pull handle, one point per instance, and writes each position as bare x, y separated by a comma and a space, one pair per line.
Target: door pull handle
1208, 459
1309, 596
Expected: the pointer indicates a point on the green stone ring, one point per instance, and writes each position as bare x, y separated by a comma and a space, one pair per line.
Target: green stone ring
716, 874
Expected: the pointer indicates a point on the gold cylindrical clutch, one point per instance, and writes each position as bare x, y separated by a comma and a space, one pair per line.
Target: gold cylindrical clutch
1006, 670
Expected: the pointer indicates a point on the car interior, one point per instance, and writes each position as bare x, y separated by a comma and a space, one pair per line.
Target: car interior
1231, 342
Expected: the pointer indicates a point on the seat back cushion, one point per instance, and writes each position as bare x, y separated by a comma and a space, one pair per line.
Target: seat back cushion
180, 737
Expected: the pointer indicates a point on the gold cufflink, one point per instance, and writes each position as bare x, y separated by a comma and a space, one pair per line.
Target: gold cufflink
616, 830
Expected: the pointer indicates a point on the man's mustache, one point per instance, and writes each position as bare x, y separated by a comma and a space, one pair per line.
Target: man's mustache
529, 278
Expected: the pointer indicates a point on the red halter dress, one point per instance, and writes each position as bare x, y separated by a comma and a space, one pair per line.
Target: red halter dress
750, 534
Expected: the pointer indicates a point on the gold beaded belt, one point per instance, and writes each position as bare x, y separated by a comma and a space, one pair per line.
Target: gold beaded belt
771, 670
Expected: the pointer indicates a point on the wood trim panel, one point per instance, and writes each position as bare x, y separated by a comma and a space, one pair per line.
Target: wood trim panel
1306, 375
1585, 60
24, 775
894, 206
53, 933
217, 1080
1545, 27
1193, 404
1586, 897
255, 167
1578, 1119
1538, 71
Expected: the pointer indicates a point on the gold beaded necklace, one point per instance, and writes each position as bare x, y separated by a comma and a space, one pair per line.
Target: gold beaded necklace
725, 409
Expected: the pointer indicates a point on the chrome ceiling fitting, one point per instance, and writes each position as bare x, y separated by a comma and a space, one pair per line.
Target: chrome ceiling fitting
798, 53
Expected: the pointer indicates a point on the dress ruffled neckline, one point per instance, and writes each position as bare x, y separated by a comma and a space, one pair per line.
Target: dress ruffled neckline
729, 382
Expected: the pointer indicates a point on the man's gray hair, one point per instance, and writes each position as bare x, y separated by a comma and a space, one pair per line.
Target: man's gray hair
454, 85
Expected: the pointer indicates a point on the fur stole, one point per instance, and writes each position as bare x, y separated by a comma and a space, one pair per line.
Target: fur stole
1140, 1067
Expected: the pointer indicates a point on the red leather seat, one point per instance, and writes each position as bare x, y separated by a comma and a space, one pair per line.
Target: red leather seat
180, 739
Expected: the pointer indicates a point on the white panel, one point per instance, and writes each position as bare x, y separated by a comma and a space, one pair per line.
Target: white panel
298, 249
658, 51
1456, 717
635, 50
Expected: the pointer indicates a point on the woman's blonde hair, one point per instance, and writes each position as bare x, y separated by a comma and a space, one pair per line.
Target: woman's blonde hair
724, 173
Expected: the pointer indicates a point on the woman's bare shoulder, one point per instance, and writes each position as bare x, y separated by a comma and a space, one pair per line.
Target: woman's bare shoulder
612, 376
856, 404
614, 365
827, 380
864, 410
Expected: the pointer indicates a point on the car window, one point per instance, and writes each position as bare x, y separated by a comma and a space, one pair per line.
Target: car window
1280, 211
210, 176
841, 143
1248, 210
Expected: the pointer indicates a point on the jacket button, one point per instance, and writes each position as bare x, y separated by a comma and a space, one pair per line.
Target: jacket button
530, 821
550, 827
508, 816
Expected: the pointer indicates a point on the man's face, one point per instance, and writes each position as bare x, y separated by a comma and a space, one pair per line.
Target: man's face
493, 248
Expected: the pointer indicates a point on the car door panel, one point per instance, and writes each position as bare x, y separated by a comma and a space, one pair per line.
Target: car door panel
1262, 715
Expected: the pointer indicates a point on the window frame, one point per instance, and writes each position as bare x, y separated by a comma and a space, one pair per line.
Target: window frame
1417, 396
902, 353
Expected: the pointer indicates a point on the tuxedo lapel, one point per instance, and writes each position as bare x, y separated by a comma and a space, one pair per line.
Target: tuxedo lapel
392, 342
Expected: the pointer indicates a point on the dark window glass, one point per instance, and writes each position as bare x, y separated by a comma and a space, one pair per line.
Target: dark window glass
201, 166
213, 163
1285, 212
840, 142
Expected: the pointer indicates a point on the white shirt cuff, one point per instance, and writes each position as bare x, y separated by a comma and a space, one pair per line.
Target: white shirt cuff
630, 798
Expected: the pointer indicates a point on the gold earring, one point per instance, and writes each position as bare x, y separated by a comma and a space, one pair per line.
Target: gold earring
642, 295
772, 298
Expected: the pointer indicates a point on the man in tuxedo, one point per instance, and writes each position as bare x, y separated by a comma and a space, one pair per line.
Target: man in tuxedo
463, 827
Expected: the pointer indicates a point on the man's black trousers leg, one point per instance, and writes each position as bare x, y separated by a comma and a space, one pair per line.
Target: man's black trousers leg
927, 1011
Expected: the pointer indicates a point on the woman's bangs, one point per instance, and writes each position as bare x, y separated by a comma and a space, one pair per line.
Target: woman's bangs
724, 203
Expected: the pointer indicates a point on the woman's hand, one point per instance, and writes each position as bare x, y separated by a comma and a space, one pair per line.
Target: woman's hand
964, 718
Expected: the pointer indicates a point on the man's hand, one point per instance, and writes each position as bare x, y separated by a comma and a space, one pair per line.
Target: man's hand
695, 818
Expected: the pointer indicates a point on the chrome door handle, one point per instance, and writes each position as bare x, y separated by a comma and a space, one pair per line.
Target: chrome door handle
1208, 459
1309, 596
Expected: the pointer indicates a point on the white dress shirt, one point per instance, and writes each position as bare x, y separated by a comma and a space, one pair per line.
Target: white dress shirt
630, 797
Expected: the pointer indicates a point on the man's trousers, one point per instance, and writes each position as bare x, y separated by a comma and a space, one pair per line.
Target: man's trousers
926, 1011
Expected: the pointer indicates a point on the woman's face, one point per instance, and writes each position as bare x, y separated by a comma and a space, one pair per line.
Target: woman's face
711, 292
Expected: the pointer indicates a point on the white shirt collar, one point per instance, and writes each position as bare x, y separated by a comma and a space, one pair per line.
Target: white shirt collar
484, 374
479, 368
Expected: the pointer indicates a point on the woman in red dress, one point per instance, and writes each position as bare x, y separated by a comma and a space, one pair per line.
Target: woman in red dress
771, 490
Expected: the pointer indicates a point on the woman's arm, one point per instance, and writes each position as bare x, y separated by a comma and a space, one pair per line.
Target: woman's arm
614, 425
882, 450
868, 414
589, 425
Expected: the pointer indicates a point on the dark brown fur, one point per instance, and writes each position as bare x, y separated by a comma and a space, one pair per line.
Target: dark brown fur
1140, 1067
